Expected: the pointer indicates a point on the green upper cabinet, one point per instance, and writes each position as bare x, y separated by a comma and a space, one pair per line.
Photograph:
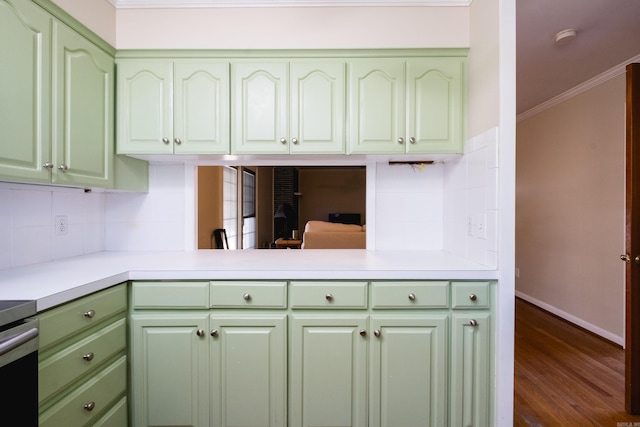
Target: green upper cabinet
56, 101
288, 107
409, 106
25, 92
173, 107
82, 113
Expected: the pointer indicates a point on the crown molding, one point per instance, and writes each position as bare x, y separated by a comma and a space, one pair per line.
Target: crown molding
577, 90
143, 4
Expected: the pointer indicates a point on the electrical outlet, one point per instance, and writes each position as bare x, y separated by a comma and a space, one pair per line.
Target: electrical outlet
481, 226
61, 225
470, 226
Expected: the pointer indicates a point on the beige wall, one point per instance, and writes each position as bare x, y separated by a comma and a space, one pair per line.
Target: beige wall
330, 190
210, 206
570, 208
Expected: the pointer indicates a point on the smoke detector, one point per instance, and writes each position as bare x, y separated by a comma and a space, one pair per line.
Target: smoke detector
565, 36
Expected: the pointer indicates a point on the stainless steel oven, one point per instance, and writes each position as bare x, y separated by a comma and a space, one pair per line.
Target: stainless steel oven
19, 362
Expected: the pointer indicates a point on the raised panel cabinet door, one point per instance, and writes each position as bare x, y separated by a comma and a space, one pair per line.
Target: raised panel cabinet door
328, 371
376, 106
144, 117
408, 380
169, 369
82, 116
201, 107
471, 370
317, 116
248, 370
25, 133
259, 116
434, 99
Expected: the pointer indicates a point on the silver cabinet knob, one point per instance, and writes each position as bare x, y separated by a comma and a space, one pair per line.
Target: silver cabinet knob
473, 297
294, 140
90, 406
377, 333
178, 141
246, 297
363, 333
412, 297
473, 322
200, 332
88, 356
166, 140
401, 140
329, 297
283, 140
89, 314
214, 333
47, 165
63, 168
412, 140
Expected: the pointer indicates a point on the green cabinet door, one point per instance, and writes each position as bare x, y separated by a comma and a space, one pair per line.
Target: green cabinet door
201, 107
248, 370
434, 105
408, 380
145, 110
471, 369
376, 100
82, 117
317, 118
25, 133
170, 369
328, 371
259, 116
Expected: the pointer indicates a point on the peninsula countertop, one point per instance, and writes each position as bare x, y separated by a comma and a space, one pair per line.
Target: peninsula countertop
57, 282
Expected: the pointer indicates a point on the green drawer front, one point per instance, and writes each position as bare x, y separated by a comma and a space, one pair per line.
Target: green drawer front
319, 295
249, 294
170, 295
101, 390
61, 322
116, 417
467, 295
418, 294
62, 368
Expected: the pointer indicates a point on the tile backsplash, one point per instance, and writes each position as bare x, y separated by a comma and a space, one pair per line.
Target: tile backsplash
448, 206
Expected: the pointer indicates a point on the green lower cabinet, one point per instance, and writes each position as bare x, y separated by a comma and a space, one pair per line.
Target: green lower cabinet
408, 371
170, 369
248, 370
328, 371
471, 391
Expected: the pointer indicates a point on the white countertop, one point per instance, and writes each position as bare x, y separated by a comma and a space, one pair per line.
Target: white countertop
60, 281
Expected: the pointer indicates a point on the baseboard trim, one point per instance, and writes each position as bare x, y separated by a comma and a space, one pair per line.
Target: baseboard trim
573, 319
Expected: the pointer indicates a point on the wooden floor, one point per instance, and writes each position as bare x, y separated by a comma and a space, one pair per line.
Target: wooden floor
565, 376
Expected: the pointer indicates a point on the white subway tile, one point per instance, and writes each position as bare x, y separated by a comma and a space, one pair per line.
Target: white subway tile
31, 245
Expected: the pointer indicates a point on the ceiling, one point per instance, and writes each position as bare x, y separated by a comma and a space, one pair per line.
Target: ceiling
608, 36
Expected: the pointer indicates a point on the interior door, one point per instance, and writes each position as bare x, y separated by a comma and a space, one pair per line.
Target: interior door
632, 256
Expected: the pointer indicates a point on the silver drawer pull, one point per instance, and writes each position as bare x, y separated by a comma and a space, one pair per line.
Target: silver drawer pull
363, 333
473, 322
165, 140
246, 297
412, 297
214, 333
329, 297
90, 406
377, 333
473, 297
200, 332
89, 356
89, 314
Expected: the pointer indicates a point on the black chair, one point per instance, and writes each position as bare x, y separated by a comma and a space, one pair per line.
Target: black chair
219, 236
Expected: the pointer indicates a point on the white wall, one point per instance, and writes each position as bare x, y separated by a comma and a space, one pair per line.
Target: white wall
293, 28
570, 208
97, 15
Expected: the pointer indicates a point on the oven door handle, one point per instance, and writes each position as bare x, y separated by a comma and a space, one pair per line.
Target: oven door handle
17, 340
